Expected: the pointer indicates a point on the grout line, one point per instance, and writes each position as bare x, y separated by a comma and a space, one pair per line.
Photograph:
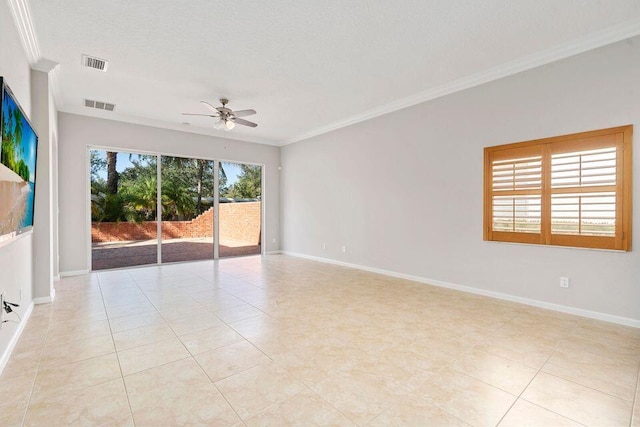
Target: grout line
124, 384
635, 398
219, 391
555, 350
35, 377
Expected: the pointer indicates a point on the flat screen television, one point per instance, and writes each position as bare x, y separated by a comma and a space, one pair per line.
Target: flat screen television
17, 166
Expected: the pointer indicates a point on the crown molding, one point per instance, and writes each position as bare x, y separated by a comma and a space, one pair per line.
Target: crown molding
590, 41
21, 13
143, 121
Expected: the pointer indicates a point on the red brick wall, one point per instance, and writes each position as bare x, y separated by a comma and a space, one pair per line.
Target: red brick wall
238, 221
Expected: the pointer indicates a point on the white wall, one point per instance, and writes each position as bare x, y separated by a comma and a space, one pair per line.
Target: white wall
403, 192
77, 132
16, 260
44, 118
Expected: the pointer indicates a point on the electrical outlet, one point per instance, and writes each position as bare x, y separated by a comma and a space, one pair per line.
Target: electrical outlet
324, 246
564, 282
344, 249
274, 240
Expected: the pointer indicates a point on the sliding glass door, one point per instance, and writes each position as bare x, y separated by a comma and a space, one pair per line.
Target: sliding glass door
240, 224
124, 230
151, 209
187, 188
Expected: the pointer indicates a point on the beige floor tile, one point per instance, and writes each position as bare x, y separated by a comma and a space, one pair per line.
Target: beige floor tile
257, 326
128, 297
305, 408
532, 351
77, 375
526, 414
617, 336
31, 341
22, 363
141, 336
608, 373
219, 300
210, 339
102, 404
147, 356
311, 369
15, 391
230, 359
177, 394
497, 371
179, 311
69, 331
240, 312
126, 323
130, 309
361, 396
12, 415
252, 391
78, 314
60, 352
468, 398
577, 402
413, 411
405, 353
194, 324
635, 418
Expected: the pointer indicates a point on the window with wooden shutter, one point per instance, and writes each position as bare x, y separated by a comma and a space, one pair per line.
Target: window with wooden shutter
572, 190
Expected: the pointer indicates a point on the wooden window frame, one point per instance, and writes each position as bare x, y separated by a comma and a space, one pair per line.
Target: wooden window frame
565, 143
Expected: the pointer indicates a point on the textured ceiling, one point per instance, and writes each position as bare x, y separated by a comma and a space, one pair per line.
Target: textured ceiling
303, 65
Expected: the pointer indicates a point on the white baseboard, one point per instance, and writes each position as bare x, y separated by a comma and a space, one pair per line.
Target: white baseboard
469, 289
46, 300
4, 358
56, 277
73, 273
273, 252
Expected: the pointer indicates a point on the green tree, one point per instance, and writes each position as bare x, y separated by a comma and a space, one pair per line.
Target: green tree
248, 185
98, 164
141, 198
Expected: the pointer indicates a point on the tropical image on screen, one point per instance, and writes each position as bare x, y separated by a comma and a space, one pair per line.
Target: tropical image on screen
17, 168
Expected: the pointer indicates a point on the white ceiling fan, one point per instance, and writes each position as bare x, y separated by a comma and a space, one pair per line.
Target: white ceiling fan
227, 118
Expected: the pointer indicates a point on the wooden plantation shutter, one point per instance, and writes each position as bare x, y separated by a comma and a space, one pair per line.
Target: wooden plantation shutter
516, 194
573, 190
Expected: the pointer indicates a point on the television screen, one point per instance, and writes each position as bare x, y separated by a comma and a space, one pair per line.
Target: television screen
17, 166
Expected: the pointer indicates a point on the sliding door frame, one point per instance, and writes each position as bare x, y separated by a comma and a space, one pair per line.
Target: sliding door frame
216, 199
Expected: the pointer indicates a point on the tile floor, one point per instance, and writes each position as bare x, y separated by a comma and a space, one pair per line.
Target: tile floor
283, 341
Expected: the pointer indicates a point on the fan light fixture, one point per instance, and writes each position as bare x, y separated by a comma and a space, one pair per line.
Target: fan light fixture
224, 124
227, 119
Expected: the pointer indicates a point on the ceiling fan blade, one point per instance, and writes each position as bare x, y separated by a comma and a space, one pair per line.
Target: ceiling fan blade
211, 107
196, 114
244, 122
244, 113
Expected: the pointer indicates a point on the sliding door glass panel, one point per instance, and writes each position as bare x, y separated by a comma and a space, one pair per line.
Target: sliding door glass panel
240, 224
187, 209
124, 231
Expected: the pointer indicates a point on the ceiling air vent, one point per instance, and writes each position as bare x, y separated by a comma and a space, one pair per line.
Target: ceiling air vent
95, 63
99, 105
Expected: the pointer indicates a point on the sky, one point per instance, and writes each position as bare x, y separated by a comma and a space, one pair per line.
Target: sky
232, 170
27, 148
